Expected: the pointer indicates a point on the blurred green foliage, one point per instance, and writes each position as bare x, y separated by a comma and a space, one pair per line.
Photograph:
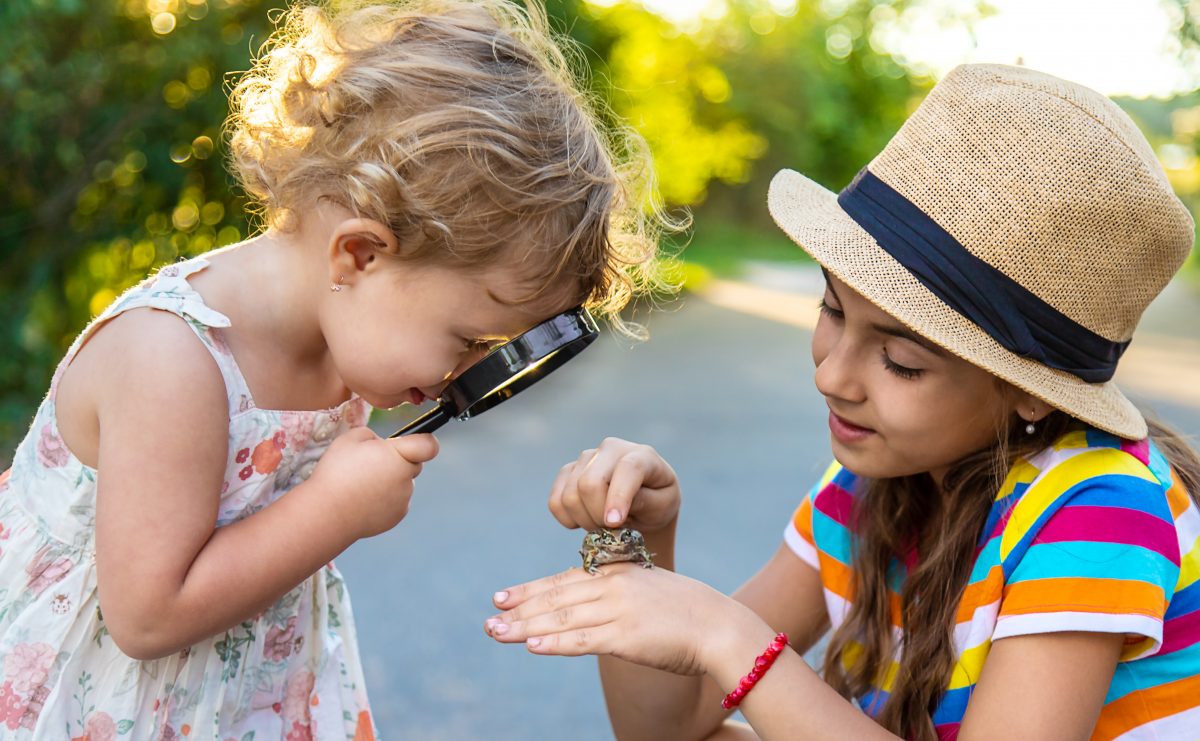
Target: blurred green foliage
112, 159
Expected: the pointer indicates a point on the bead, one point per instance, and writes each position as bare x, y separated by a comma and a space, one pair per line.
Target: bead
761, 665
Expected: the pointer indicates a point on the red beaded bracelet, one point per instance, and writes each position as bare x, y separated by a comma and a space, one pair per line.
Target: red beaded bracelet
761, 665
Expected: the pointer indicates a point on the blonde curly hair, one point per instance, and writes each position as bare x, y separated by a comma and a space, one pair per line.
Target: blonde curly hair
461, 126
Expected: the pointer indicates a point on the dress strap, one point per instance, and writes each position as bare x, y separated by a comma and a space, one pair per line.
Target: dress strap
169, 290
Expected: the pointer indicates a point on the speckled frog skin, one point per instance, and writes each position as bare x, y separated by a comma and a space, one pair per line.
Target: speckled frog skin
610, 546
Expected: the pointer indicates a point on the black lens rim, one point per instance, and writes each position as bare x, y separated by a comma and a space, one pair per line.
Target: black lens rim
547, 345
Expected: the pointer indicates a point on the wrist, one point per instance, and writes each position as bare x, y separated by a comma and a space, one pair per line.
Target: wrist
314, 495
661, 543
734, 645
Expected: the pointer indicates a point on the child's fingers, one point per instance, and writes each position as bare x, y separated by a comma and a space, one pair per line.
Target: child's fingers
560, 600
572, 498
358, 434
416, 448
577, 510
593, 481
576, 642
512, 597
555, 502
571, 617
627, 480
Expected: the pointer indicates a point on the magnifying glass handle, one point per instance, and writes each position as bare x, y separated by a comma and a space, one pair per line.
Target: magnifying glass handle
427, 422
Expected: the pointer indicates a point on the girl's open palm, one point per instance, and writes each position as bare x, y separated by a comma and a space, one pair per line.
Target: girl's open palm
619, 483
652, 617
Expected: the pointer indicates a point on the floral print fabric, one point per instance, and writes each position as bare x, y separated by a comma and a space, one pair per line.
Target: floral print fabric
291, 673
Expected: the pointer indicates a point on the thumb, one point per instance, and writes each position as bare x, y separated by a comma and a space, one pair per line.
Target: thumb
416, 448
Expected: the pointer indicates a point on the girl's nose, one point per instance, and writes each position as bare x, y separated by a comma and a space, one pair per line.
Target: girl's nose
838, 372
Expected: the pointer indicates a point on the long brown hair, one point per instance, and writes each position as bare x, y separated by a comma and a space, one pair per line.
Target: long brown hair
891, 516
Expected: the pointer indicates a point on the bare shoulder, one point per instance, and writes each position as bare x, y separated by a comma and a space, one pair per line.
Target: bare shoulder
143, 370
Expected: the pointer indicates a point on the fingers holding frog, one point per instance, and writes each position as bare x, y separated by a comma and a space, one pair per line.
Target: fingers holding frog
618, 483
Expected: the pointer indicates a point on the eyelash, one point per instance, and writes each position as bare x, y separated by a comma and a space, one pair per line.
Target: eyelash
892, 366
900, 370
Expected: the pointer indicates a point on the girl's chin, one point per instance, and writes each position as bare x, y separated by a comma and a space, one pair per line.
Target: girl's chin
869, 464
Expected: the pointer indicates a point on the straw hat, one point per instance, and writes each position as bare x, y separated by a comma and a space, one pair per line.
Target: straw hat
1018, 220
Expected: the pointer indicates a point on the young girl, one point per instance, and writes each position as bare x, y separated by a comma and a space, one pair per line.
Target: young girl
1003, 548
433, 183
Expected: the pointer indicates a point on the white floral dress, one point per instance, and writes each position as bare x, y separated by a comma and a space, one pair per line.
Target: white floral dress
292, 672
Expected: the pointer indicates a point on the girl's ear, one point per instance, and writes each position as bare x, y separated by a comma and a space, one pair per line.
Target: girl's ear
1030, 408
354, 245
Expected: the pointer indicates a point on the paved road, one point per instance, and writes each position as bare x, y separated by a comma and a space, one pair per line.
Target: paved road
725, 396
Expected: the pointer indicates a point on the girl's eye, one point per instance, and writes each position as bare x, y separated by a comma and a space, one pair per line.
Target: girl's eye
829, 311
900, 370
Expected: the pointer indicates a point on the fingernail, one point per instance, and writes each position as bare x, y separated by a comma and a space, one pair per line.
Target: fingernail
500, 596
500, 629
533, 642
491, 624
614, 516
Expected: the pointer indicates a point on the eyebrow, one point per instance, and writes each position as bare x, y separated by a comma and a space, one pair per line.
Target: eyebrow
904, 334
893, 330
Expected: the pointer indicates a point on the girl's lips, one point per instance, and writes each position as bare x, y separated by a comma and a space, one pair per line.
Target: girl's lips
415, 397
847, 432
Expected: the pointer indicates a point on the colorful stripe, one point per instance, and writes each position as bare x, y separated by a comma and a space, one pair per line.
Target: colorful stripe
1093, 534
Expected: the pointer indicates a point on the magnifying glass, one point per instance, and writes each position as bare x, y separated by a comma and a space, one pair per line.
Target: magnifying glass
509, 369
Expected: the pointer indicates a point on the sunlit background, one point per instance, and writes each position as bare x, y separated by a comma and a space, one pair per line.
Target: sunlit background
111, 152
111, 164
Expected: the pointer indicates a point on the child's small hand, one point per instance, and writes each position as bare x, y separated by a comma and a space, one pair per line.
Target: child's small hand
372, 477
617, 484
652, 617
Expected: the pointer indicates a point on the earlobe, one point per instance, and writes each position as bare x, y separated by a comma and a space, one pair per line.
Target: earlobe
1031, 409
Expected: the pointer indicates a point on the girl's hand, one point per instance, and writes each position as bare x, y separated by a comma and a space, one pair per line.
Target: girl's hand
371, 477
618, 483
652, 617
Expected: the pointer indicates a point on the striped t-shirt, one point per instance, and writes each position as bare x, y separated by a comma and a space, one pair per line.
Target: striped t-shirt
1092, 534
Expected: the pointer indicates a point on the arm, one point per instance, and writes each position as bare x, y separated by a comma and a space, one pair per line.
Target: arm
663, 620
785, 595
167, 576
1058, 680
622, 483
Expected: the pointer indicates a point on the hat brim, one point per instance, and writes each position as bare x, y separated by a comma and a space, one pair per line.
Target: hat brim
811, 216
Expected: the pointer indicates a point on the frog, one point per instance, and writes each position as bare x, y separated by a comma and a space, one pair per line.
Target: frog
603, 546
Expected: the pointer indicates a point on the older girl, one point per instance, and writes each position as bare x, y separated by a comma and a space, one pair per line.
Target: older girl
1004, 548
